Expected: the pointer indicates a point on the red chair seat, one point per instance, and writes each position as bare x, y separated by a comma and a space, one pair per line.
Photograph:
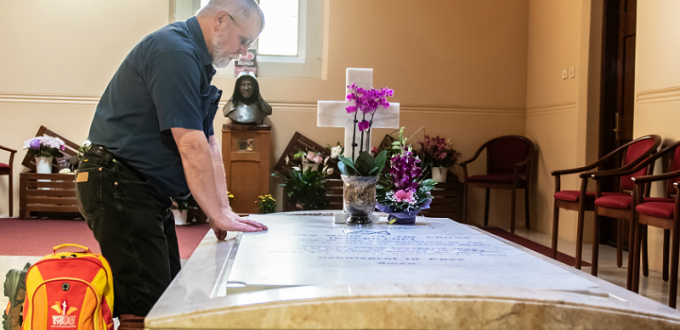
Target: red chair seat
4, 165
657, 209
623, 202
493, 178
573, 195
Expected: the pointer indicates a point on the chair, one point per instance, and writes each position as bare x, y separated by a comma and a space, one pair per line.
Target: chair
582, 200
508, 163
662, 214
623, 207
6, 169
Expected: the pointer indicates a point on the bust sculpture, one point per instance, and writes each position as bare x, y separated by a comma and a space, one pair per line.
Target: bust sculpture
246, 105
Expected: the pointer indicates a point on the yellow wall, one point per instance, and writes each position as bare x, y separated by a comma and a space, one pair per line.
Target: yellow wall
657, 85
457, 67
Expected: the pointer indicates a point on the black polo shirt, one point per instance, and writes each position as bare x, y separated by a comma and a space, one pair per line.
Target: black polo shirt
163, 83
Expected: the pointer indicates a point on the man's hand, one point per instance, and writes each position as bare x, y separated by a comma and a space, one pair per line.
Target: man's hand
234, 223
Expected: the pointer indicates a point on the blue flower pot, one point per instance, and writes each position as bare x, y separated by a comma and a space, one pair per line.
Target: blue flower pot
402, 221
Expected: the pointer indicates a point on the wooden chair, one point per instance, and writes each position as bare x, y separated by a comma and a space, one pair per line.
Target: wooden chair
622, 207
583, 200
6, 169
662, 214
508, 163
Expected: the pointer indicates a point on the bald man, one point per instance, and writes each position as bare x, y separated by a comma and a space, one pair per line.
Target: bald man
152, 140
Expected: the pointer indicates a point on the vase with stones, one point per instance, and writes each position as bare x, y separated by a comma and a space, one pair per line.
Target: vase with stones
359, 197
439, 173
43, 165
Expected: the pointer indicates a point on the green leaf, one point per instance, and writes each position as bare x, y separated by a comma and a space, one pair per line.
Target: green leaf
380, 160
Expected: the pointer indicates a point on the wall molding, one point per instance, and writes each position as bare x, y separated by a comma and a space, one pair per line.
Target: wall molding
659, 95
551, 109
94, 100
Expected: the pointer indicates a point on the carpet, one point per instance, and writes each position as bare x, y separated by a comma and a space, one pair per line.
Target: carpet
531, 245
38, 237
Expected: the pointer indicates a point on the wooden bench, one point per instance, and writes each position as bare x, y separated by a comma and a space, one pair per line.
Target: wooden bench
47, 194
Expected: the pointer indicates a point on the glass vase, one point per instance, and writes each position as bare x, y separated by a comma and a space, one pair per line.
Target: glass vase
359, 197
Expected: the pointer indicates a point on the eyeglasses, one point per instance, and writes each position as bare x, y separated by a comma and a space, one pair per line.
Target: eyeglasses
245, 41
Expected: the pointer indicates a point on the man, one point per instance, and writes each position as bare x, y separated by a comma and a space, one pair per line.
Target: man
152, 140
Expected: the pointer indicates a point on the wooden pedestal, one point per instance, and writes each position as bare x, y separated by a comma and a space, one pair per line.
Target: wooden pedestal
245, 153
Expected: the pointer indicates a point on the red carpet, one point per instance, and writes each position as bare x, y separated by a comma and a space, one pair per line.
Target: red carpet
38, 237
544, 250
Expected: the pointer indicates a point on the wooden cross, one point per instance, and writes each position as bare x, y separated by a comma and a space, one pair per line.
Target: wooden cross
333, 113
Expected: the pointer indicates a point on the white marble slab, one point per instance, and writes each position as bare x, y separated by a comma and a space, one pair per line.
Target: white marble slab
311, 250
191, 301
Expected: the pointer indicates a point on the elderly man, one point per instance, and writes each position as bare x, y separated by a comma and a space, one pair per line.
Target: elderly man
152, 140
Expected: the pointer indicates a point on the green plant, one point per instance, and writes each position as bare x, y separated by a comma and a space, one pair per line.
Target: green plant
266, 204
306, 189
364, 165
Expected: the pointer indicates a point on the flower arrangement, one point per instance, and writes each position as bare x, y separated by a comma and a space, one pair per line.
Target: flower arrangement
366, 102
437, 152
45, 146
402, 192
266, 204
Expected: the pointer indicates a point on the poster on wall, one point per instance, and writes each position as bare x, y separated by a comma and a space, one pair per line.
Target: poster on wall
246, 63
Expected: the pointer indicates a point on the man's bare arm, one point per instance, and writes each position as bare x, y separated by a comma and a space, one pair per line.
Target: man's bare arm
200, 175
221, 184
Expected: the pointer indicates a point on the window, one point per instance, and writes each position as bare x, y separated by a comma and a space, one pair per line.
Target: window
291, 44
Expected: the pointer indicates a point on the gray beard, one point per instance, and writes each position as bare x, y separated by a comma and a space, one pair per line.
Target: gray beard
220, 57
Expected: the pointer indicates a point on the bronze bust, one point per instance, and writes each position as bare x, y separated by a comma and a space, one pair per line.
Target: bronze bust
246, 105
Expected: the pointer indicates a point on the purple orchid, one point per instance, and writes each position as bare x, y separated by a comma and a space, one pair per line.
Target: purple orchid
363, 125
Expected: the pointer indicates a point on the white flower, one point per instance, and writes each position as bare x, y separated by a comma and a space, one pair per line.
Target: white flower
329, 171
335, 151
87, 143
65, 171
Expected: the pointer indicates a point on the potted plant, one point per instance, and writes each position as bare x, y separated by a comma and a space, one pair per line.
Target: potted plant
305, 189
179, 211
438, 156
360, 175
403, 191
44, 149
266, 204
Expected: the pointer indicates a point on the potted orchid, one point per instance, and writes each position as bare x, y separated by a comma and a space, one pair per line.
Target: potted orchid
403, 191
361, 173
44, 149
438, 155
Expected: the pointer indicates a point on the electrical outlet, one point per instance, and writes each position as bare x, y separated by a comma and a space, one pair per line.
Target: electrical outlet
564, 74
571, 72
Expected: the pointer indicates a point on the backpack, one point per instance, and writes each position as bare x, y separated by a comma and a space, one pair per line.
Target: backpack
14, 288
69, 290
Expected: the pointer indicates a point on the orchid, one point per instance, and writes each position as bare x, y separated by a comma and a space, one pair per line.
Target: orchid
366, 101
403, 188
437, 152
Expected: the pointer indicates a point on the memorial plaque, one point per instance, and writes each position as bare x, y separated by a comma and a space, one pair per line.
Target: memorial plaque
312, 250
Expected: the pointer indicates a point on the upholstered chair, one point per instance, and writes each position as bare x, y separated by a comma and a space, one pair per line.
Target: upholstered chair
508, 164
582, 200
661, 214
6, 169
622, 207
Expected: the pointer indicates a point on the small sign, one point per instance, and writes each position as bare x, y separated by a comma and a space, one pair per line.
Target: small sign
247, 63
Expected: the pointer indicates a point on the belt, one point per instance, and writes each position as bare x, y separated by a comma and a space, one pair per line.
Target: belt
101, 152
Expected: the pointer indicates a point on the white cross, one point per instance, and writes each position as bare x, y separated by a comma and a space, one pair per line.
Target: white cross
333, 113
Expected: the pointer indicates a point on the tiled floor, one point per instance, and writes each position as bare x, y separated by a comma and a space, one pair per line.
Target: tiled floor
652, 287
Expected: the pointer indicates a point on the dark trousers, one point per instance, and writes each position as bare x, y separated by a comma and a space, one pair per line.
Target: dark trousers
135, 229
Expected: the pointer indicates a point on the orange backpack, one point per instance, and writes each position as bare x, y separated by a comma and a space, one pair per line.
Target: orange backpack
69, 290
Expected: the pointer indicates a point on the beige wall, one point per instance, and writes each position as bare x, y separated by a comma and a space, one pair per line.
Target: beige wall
557, 108
657, 85
458, 68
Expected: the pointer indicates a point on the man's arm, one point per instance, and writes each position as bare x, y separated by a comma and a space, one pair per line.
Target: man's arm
221, 184
200, 175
